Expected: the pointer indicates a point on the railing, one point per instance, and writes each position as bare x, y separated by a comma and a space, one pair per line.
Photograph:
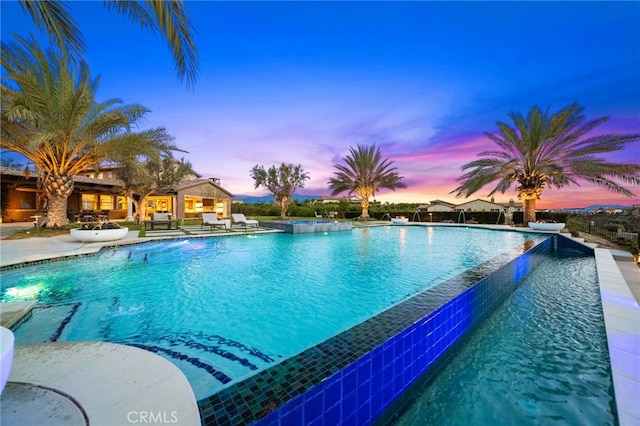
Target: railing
592, 229
616, 237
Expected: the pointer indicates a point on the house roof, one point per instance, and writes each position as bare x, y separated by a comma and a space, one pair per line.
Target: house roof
94, 184
504, 205
196, 182
81, 182
446, 203
115, 166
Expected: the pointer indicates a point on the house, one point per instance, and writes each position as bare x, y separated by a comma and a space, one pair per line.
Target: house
191, 198
479, 205
476, 205
438, 206
328, 200
24, 199
99, 194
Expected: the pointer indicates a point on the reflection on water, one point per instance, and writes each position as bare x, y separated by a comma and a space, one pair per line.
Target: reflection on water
527, 245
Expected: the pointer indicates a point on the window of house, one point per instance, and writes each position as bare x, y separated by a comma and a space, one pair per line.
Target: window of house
89, 202
121, 203
27, 200
106, 202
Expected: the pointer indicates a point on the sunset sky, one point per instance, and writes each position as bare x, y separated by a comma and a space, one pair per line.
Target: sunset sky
300, 82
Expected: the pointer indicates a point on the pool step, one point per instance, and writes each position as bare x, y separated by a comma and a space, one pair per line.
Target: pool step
622, 255
581, 241
165, 233
13, 314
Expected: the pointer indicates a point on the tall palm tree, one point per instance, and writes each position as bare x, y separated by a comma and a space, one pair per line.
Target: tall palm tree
49, 115
167, 17
364, 173
544, 150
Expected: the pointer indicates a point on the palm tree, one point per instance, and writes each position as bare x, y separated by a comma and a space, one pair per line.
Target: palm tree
544, 150
281, 182
168, 17
50, 116
364, 173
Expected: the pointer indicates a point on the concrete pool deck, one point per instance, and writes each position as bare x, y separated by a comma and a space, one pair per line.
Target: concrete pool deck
619, 282
97, 383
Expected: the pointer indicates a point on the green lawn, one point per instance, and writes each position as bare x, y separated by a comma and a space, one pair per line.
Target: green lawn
52, 232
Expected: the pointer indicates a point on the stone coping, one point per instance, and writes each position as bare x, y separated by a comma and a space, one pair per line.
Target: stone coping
622, 325
111, 384
12, 314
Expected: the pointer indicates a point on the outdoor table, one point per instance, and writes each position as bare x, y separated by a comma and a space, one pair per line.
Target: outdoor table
154, 223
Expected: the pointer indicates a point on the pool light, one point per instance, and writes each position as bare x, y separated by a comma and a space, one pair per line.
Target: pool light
28, 292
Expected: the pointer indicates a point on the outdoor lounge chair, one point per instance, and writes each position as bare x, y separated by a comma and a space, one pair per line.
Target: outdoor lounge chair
160, 220
317, 215
240, 219
211, 219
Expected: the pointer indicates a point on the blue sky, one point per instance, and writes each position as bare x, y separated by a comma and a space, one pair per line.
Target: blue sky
300, 82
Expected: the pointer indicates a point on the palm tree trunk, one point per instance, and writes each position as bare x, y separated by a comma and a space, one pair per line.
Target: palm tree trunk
529, 209
364, 193
57, 189
364, 203
57, 213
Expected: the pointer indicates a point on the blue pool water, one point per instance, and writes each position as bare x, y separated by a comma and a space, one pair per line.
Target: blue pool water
223, 308
538, 360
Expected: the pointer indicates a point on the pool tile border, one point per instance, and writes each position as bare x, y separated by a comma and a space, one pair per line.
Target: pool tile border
356, 376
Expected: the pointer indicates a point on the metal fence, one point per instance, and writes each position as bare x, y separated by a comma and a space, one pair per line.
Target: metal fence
591, 228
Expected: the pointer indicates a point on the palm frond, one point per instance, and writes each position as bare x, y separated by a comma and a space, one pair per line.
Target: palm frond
545, 149
171, 20
53, 17
364, 168
50, 115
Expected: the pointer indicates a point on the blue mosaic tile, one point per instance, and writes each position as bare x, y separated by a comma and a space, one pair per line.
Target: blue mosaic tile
349, 403
293, 416
313, 408
333, 414
363, 415
333, 393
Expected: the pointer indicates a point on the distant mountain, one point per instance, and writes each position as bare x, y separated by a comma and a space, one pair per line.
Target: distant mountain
597, 207
248, 199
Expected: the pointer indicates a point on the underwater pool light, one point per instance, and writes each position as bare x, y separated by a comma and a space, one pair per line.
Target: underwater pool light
28, 292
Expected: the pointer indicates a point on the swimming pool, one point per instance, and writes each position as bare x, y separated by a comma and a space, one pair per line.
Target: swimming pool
369, 365
538, 359
222, 309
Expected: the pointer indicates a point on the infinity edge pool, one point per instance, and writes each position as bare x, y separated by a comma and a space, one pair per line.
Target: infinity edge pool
359, 376
621, 314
